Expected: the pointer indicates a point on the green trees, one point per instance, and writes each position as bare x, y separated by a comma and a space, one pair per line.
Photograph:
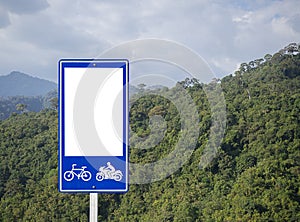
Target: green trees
255, 176
19, 104
21, 107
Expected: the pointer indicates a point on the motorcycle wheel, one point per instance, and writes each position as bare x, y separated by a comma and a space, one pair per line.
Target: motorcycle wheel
118, 177
99, 176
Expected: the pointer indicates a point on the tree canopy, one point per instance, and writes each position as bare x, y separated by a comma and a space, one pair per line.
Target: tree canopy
254, 177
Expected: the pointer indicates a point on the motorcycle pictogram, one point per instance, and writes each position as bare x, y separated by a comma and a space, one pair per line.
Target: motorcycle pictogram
109, 172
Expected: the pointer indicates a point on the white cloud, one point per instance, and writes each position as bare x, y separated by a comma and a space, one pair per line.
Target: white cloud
224, 33
281, 27
264, 30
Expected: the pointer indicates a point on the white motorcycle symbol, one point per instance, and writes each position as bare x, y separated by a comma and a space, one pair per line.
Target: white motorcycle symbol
109, 172
79, 172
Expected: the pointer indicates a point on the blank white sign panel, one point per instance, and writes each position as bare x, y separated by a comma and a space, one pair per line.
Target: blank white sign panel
107, 111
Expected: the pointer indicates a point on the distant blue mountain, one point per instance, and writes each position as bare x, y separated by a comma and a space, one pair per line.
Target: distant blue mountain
20, 84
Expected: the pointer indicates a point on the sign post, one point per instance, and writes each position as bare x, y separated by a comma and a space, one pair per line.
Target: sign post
93, 126
93, 207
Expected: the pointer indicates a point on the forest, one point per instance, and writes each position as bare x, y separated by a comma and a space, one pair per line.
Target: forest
255, 175
19, 104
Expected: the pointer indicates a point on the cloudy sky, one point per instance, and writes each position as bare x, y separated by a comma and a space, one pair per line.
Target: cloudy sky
35, 34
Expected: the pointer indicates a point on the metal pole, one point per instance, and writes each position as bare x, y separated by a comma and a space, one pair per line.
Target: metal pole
93, 207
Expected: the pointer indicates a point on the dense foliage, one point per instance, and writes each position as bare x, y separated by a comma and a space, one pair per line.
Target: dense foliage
255, 176
20, 104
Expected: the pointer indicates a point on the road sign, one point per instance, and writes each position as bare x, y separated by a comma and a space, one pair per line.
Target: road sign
93, 125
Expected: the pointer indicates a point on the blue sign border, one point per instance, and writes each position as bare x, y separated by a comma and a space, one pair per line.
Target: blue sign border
89, 180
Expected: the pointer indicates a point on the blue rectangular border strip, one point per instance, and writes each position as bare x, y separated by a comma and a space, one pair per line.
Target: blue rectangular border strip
89, 183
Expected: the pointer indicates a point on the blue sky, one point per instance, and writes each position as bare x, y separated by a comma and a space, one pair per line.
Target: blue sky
35, 34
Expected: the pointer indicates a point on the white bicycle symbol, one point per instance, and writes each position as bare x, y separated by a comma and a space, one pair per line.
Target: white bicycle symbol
79, 172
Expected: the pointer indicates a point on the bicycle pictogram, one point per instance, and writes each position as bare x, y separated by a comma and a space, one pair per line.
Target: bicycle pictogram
82, 173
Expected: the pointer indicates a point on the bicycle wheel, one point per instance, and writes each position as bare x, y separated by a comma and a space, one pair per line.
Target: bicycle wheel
86, 175
69, 175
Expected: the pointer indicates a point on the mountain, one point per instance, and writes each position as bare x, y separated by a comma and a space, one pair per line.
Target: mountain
20, 93
255, 175
20, 84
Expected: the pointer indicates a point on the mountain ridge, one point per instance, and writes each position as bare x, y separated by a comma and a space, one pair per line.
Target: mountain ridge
21, 84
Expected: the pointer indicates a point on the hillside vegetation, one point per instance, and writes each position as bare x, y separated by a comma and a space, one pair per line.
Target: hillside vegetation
21, 93
255, 176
